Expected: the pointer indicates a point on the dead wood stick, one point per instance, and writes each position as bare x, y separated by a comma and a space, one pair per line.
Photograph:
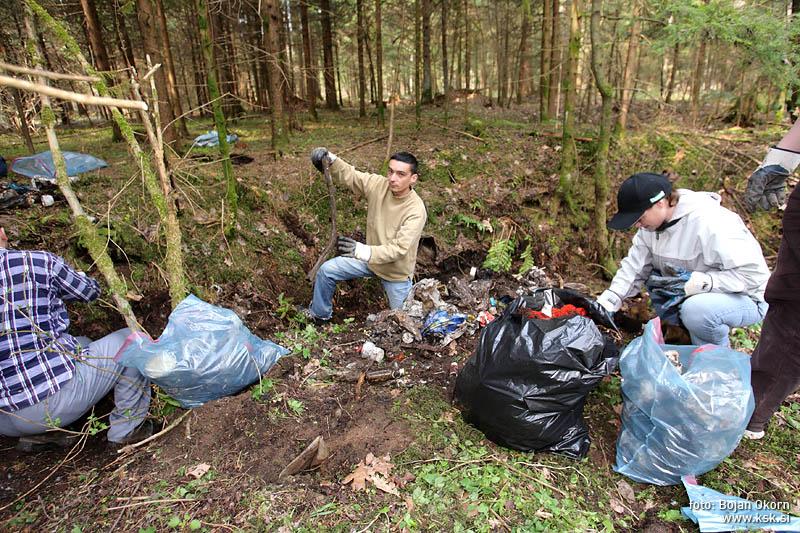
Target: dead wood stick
359, 145
455, 130
332, 202
67, 95
131, 447
138, 504
46, 74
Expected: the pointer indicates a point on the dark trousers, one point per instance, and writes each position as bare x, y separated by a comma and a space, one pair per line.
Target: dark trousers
776, 361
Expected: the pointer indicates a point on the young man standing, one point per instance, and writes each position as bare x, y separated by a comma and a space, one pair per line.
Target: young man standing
395, 219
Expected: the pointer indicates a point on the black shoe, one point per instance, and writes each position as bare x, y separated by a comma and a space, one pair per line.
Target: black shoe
144, 430
309, 316
46, 441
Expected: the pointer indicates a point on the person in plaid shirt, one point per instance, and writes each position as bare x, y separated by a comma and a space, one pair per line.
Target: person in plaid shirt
49, 378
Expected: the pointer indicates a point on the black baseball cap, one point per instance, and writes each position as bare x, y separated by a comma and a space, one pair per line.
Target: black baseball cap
636, 195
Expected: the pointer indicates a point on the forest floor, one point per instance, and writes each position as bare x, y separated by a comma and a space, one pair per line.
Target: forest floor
417, 465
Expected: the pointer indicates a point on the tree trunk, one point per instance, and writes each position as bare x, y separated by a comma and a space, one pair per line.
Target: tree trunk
379, 61
566, 179
545, 61
427, 68
601, 188
311, 96
418, 62
271, 19
628, 73
327, 51
466, 46
362, 106
169, 67
555, 60
445, 71
219, 115
100, 54
148, 25
285, 64
673, 70
523, 72
198, 61
124, 39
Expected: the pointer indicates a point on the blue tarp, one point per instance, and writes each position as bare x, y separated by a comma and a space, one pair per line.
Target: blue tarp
41, 165
212, 139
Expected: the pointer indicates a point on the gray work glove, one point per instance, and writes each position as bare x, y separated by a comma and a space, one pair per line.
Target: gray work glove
766, 187
318, 153
351, 248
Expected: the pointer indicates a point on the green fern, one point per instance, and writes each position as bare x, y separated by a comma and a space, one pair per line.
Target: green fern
527, 260
470, 222
500, 254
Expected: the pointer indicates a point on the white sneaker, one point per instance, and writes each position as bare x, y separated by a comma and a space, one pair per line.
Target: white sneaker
753, 435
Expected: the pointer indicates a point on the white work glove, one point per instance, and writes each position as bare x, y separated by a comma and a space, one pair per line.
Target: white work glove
698, 282
355, 249
610, 301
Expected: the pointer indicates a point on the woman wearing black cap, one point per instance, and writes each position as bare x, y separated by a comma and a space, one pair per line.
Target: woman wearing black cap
689, 230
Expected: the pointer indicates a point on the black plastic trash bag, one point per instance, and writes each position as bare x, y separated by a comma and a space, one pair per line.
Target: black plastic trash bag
526, 384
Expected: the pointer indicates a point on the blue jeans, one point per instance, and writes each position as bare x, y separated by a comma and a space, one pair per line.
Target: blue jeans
343, 268
710, 316
94, 377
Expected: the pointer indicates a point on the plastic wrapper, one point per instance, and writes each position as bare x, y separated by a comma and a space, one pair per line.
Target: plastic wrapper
526, 384
42, 166
204, 353
668, 289
677, 424
713, 511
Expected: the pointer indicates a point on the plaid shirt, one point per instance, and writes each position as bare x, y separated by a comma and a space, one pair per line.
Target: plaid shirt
36, 352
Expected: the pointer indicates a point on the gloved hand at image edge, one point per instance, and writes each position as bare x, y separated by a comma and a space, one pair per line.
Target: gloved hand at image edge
318, 153
609, 301
766, 187
352, 248
698, 282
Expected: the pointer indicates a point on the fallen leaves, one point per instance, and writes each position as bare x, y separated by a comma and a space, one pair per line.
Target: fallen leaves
376, 470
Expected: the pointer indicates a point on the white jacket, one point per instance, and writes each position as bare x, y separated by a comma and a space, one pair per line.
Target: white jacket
707, 238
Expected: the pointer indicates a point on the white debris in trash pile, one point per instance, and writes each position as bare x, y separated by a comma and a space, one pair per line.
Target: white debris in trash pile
674, 358
372, 352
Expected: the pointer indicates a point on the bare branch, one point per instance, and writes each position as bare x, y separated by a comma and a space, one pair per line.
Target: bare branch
67, 95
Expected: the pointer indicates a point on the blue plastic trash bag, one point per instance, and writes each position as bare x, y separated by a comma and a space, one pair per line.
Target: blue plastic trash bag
204, 353
212, 139
441, 322
677, 424
714, 511
42, 166
669, 287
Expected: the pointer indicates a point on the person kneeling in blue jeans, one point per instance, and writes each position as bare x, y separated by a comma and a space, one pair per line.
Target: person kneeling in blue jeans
395, 218
692, 231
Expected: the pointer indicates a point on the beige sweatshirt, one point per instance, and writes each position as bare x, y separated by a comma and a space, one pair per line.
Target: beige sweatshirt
394, 225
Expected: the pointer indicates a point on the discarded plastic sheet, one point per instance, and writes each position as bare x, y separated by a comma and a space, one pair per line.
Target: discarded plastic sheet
714, 511
526, 383
673, 423
204, 353
41, 166
212, 139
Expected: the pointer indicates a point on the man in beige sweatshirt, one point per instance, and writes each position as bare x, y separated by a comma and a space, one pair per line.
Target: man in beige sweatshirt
395, 219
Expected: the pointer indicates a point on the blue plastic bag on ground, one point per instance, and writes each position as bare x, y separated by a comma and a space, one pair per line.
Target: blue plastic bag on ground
204, 353
212, 139
714, 511
677, 424
42, 166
